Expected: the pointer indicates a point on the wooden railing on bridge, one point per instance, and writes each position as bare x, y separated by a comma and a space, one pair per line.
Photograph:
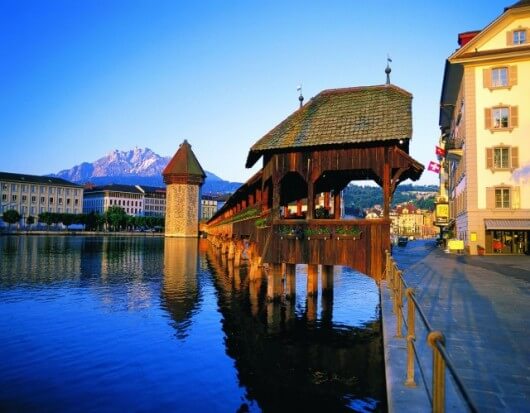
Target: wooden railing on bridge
357, 243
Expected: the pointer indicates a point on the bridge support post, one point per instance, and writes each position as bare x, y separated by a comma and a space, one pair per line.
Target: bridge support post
312, 279
231, 250
238, 251
274, 282
290, 281
327, 278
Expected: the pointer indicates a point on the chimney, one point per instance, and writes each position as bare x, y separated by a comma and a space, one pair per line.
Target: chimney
464, 38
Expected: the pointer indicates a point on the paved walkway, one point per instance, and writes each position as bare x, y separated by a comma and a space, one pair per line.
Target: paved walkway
482, 305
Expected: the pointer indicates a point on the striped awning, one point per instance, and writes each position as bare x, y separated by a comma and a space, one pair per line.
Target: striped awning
507, 224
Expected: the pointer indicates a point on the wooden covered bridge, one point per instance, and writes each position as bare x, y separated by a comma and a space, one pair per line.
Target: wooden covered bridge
290, 211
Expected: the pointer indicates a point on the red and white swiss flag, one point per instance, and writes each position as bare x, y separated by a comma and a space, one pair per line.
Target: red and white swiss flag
434, 167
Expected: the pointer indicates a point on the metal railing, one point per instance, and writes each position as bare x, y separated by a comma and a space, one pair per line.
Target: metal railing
440, 357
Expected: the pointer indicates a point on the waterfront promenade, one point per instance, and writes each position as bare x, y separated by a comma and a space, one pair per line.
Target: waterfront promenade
482, 305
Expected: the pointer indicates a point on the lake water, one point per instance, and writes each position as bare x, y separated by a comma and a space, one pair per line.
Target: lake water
147, 324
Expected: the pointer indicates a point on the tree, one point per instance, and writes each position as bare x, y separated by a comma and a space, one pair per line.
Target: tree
46, 217
116, 217
11, 216
30, 220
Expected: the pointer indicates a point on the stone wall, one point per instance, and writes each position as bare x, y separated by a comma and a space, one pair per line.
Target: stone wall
182, 210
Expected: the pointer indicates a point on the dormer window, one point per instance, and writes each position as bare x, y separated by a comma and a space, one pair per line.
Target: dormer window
519, 36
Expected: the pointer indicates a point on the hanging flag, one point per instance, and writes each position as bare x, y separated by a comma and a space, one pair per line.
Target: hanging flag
440, 151
434, 167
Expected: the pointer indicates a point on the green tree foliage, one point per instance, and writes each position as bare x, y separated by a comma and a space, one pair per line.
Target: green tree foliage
11, 216
359, 197
30, 220
116, 218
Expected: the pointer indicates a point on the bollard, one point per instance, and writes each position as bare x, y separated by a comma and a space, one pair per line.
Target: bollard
438, 372
411, 336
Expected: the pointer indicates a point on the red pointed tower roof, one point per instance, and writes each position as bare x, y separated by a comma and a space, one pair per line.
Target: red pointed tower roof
184, 168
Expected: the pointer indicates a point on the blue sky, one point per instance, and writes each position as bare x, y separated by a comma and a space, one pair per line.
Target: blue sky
81, 78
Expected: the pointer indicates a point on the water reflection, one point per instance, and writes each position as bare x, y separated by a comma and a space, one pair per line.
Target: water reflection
152, 324
180, 292
287, 358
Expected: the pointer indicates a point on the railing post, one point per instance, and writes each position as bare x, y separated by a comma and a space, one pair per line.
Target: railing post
387, 266
399, 304
438, 372
411, 336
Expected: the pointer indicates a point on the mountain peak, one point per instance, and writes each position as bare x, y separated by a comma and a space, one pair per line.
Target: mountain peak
133, 166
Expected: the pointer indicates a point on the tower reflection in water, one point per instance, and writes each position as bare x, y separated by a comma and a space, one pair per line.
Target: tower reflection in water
181, 295
287, 356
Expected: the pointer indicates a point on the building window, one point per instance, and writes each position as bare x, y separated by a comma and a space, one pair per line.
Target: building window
33, 199
60, 201
42, 199
24, 198
499, 77
4, 187
4, 197
13, 198
502, 197
24, 188
14, 187
501, 158
51, 200
519, 36
500, 117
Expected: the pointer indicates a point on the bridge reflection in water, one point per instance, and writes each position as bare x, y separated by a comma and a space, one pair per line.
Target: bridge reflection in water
290, 354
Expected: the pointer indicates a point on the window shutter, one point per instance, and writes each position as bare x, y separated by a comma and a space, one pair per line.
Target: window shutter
509, 38
486, 78
515, 156
487, 117
514, 116
512, 75
489, 158
490, 197
515, 198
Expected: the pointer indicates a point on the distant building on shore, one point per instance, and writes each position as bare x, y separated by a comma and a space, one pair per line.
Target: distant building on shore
484, 112
31, 195
154, 200
99, 199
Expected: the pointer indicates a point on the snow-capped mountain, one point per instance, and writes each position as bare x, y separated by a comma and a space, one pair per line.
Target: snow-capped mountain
134, 167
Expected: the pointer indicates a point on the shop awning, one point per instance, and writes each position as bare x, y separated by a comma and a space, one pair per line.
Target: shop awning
508, 224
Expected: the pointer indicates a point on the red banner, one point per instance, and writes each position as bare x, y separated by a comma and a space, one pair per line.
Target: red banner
440, 151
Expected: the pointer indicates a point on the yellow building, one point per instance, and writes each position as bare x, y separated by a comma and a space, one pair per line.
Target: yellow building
485, 124
31, 195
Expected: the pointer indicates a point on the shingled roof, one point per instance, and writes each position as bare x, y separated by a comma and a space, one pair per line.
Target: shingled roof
184, 164
342, 117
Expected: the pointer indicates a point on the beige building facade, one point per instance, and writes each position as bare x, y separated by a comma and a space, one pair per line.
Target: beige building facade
31, 195
485, 124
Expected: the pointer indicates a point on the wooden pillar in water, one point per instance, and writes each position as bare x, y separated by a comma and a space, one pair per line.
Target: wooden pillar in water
274, 282
327, 278
312, 279
290, 281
